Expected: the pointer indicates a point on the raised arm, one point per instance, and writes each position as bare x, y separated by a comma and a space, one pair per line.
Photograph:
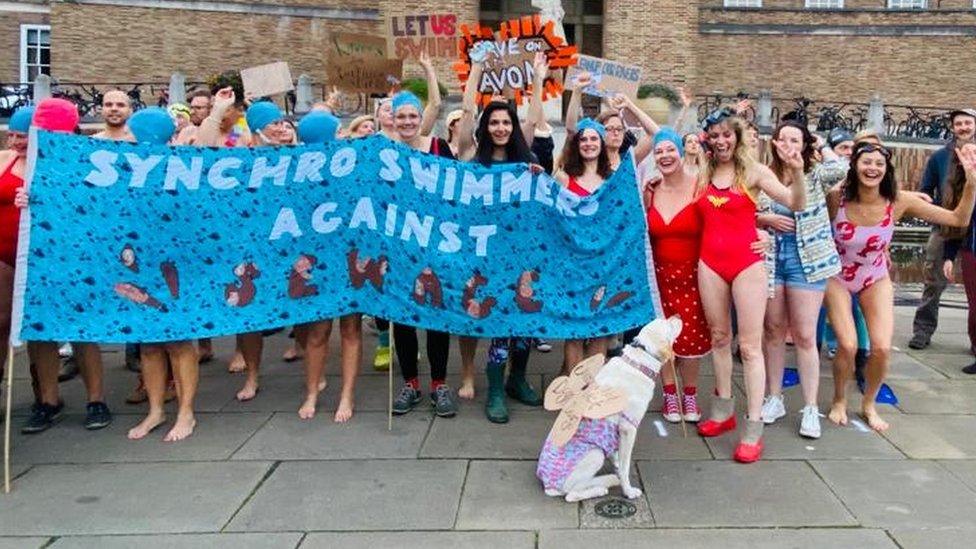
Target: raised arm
208, 135
793, 197
433, 108
687, 98
912, 205
535, 115
469, 106
621, 102
576, 101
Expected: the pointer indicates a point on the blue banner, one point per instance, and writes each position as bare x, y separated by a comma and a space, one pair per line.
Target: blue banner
137, 243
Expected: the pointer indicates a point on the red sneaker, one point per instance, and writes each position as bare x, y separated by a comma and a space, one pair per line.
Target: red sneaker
748, 453
712, 428
671, 409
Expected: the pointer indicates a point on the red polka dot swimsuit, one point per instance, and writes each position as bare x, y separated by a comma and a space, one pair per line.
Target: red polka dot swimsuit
676, 247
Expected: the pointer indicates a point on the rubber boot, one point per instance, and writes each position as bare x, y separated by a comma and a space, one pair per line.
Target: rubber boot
495, 409
517, 386
750, 446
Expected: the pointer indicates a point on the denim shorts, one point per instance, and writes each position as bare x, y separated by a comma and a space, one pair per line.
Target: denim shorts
789, 268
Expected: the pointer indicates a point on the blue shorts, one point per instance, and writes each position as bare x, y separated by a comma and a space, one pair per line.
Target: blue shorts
789, 268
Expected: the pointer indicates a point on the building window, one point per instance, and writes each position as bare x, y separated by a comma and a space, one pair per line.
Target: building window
907, 4
825, 4
743, 3
35, 51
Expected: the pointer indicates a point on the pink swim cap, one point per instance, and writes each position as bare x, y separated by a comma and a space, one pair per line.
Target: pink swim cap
56, 115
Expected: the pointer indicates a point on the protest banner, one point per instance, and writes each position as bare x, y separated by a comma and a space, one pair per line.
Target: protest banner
357, 63
608, 77
411, 35
133, 243
267, 80
508, 57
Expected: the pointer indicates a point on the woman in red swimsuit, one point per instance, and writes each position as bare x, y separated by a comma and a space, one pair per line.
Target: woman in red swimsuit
12, 161
731, 272
586, 166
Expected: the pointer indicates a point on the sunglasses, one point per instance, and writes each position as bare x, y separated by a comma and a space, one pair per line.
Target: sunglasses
717, 116
865, 148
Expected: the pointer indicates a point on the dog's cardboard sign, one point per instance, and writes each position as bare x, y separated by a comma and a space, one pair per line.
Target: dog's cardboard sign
576, 396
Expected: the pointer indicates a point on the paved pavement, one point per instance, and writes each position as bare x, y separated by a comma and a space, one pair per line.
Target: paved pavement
254, 475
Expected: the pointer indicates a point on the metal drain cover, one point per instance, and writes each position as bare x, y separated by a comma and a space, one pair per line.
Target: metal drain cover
615, 508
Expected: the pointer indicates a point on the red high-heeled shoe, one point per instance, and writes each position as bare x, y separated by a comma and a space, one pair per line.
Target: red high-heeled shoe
748, 453
712, 428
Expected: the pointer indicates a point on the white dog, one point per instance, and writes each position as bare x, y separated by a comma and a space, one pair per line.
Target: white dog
602, 407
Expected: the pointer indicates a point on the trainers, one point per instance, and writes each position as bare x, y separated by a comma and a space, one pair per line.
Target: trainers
971, 369
97, 416
919, 342
831, 352
773, 409
381, 362
671, 409
68, 370
65, 351
810, 421
444, 401
543, 346
406, 400
690, 404
42, 418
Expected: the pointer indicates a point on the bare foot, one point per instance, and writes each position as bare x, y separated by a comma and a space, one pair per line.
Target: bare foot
204, 357
323, 383
146, 426
248, 392
466, 390
182, 429
838, 413
237, 364
873, 419
291, 354
307, 411
344, 412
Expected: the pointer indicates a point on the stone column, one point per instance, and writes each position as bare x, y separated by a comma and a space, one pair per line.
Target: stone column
552, 10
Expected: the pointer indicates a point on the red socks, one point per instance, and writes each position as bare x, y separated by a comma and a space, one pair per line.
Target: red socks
435, 383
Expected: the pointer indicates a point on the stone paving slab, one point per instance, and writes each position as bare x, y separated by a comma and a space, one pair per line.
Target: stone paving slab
934, 537
964, 470
127, 498
286, 394
716, 493
933, 436
812, 538
182, 541
286, 437
399, 540
216, 437
950, 364
782, 441
643, 518
355, 495
505, 495
905, 366
936, 396
900, 494
23, 543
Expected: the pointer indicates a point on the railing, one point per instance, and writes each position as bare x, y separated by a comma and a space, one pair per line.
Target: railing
899, 122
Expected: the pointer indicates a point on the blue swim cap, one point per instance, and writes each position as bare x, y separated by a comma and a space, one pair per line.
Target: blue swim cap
405, 99
590, 124
259, 115
152, 125
667, 133
317, 127
20, 120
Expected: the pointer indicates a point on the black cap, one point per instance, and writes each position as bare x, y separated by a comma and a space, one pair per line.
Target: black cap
838, 136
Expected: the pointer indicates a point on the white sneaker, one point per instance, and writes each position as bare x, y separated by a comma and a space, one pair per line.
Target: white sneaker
543, 346
65, 351
773, 409
810, 422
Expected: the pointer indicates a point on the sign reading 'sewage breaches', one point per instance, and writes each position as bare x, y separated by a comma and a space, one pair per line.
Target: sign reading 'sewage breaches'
130, 243
432, 33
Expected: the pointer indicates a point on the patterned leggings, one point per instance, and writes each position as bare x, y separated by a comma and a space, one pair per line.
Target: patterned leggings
518, 347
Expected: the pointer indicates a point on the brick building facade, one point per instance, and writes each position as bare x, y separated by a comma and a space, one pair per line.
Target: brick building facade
791, 47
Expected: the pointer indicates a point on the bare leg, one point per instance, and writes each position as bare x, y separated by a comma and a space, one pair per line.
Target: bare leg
468, 346
205, 349
842, 321
251, 345
89, 358
749, 294
237, 363
804, 306
46, 363
774, 340
351, 331
597, 346
572, 354
184, 360
877, 302
153, 360
688, 369
314, 337
716, 301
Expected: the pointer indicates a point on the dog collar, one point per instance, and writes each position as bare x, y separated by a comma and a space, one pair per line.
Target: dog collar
651, 374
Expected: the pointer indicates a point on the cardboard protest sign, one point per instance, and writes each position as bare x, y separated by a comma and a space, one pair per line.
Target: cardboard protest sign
411, 35
267, 80
357, 63
608, 77
129, 242
508, 56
